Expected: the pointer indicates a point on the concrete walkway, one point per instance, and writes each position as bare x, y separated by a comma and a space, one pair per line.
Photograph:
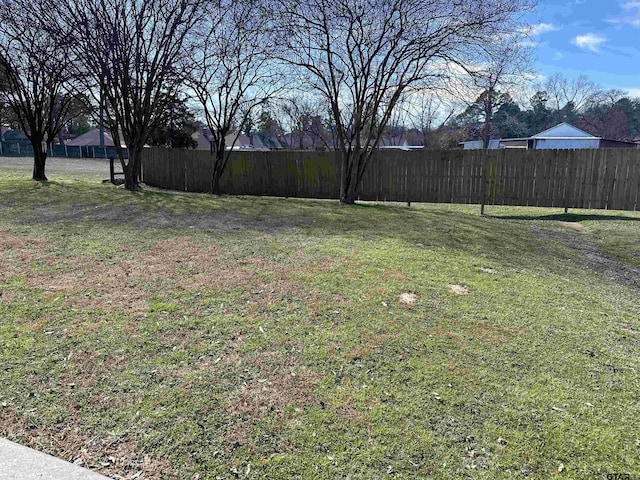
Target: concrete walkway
22, 463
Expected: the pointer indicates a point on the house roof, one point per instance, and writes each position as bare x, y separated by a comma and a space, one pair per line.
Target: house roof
255, 142
563, 131
92, 139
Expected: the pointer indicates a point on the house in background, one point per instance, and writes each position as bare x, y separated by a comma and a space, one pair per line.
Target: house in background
255, 141
494, 144
562, 136
92, 139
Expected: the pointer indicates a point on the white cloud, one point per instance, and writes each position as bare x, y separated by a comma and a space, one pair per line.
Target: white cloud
540, 29
589, 41
558, 56
530, 44
632, 92
631, 15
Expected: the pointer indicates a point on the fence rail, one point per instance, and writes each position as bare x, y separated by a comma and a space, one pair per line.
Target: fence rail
603, 178
24, 149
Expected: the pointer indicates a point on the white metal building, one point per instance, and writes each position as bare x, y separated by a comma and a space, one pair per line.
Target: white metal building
562, 136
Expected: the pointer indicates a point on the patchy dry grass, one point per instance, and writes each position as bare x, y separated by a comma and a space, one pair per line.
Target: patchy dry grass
273, 338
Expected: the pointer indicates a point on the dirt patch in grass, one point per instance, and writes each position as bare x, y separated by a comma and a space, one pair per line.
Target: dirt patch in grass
459, 289
90, 367
628, 328
219, 221
127, 283
117, 457
574, 226
17, 243
279, 382
493, 334
280, 387
408, 298
369, 344
590, 256
464, 333
17, 252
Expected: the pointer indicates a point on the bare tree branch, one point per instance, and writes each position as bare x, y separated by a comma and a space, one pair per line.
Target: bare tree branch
131, 53
233, 73
362, 55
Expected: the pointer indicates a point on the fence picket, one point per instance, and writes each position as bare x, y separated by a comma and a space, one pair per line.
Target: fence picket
561, 178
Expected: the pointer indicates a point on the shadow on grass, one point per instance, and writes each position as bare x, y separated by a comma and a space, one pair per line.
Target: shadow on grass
566, 217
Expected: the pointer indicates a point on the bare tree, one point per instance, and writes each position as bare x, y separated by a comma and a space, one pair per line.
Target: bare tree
37, 81
505, 67
305, 119
427, 112
580, 92
233, 74
361, 55
132, 54
395, 130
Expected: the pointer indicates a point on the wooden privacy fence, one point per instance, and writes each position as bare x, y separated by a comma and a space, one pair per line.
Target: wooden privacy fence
603, 178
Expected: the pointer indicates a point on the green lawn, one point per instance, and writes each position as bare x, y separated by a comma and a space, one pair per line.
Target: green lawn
193, 337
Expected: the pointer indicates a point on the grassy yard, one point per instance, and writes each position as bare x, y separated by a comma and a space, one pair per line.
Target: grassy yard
151, 335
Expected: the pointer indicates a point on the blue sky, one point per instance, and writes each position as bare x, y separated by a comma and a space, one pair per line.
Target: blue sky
597, 38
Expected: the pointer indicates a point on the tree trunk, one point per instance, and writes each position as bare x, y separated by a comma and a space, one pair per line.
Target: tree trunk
361, 163
217, 173
218, 166
39, 160
346, 185
486, 133
488, 117
132, 169
129, 180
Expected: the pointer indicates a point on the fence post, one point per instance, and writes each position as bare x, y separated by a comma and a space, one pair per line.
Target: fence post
566, 181
485, 164
406, 181
111, 171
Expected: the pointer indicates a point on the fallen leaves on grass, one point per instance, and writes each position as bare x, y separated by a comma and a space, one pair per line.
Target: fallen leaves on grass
117, 456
